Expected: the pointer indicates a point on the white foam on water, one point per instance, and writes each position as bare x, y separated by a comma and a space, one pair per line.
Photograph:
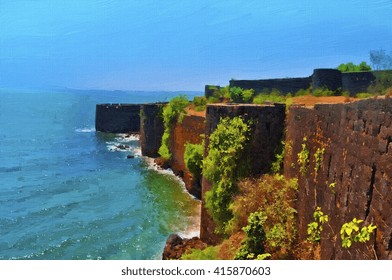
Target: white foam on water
85, 130
124, 138
193, 228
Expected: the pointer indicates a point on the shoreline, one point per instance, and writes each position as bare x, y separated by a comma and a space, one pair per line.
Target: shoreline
193, 222
193, 228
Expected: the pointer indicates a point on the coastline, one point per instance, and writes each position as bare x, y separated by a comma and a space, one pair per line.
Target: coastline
193, 222
193, 228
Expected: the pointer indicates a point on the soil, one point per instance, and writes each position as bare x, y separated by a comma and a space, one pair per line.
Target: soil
306, 100
309, 100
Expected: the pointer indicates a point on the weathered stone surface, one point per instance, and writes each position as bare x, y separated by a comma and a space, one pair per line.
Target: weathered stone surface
117, 118
285, 86
267, 132
188, 131
356, 160
326, 78
176, 246
355, 82
151, 128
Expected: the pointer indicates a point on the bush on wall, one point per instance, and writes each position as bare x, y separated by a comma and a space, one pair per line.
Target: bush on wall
172, 112
221, 167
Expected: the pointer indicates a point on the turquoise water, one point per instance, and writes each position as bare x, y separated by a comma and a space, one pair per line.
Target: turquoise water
66, 192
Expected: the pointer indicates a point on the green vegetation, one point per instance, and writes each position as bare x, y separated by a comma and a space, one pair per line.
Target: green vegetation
316, 227
219, 94
351, 67
240, 95
253, 245
200, 103
332, 187
320, 92
209, 253
274, 96
318, 157
172, 112
193, 158
303, 158
348, 230
277, 165
364, 95
274, 197
221, 167
382, 84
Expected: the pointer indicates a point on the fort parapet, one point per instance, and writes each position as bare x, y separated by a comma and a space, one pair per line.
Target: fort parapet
333, 79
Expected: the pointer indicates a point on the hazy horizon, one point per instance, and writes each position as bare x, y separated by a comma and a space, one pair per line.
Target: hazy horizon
181, 46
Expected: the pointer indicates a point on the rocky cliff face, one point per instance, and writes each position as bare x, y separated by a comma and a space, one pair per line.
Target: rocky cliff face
188, 131
353, 179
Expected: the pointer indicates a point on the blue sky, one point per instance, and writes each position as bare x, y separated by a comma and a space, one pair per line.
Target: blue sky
182, 45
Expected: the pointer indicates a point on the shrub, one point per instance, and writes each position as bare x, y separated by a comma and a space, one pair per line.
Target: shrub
364, 95
193, 158
362, 235
200, 103
253, 246
274, 196
277, 165
218, 94
319, 92
247, 95
236, 94
222, 168
274, 96
209, 253
212, 100
318, 158
173, 111
302, 92
240, 95
316, 227
303, 158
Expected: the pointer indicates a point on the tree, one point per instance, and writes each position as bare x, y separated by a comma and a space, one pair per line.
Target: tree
351, 67
380, 59
363, 66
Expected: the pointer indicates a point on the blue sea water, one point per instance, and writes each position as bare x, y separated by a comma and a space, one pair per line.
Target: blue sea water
66, 192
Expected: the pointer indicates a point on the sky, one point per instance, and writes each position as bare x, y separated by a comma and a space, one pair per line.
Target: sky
182, 45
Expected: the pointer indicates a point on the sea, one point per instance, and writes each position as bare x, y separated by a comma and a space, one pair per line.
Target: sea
68, 192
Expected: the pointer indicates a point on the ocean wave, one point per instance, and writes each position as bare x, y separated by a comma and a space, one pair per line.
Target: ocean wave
118, 147
85, 130
193, 228
121, 137
125, 143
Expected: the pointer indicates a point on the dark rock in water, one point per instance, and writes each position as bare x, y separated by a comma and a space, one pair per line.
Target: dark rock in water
130, 156
122, 147
176, 246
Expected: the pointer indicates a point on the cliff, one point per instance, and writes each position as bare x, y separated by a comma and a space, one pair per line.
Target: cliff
188, 131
